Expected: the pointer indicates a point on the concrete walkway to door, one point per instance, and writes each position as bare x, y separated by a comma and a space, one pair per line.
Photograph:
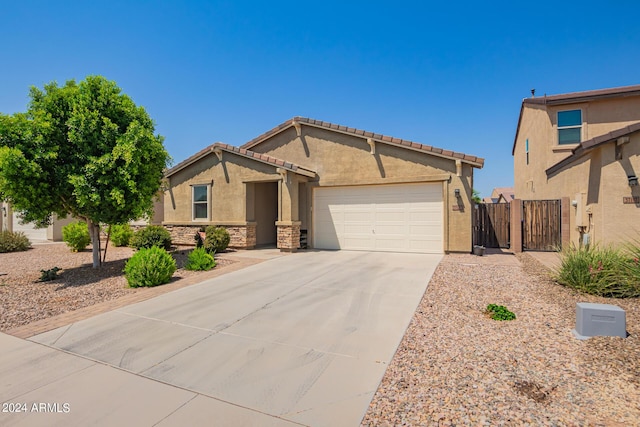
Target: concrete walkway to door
303, 339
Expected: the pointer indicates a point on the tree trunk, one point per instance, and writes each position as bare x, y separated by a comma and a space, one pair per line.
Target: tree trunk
94, 232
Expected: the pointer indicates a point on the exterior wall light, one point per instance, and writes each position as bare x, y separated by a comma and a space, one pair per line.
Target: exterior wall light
633, 181
457, 191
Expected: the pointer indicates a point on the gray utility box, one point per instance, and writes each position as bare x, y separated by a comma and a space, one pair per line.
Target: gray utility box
599, 320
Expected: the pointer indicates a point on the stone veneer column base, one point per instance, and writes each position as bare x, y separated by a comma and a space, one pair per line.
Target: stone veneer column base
288, 236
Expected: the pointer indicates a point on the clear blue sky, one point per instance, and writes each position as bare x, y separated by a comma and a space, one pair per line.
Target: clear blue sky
449, 74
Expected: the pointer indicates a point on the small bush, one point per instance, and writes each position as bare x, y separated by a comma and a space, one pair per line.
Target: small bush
200, 260
13, 242
149, 267
500, 312
121, 234
76, 235
51, 274
217, 239
152, 235
602, 271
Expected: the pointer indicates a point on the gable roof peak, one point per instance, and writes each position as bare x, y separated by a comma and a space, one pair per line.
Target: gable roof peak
298, 120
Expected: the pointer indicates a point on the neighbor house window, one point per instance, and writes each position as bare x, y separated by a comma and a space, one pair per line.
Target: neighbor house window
200, 202
569, 126
526, 149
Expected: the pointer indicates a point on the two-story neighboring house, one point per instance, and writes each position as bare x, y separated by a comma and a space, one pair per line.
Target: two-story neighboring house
584, 146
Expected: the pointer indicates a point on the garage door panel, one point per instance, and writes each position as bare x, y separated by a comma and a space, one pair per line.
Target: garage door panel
398, 218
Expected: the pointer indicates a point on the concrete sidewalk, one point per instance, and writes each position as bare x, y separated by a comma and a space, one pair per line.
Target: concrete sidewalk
302, 339
42, 386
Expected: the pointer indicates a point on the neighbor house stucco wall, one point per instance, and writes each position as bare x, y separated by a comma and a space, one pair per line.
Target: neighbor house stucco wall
539, 125
596, 181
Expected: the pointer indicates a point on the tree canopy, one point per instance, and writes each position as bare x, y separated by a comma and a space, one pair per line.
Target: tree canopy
83, 149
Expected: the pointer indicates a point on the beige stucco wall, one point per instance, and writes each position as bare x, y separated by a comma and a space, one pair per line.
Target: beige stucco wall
598, 184
341, 159
228, 189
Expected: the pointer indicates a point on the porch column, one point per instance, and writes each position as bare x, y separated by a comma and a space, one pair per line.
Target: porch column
288, 224
288, 235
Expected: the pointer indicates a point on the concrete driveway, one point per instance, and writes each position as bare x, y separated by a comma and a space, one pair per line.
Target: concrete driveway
300, 339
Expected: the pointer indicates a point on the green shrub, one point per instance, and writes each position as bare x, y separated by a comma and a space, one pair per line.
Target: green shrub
603, 271
149, 267
51, 274
13, 242
217, 239
121, 234
76, 235
200, 260
152, 235
500, 312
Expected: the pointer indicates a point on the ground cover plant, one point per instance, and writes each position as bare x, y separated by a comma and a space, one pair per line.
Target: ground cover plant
606, 271
500, 312
13, 241
149, 267
50, 274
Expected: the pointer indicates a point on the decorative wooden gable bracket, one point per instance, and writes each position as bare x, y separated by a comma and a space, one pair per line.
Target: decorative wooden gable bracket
218, 152
372, 144
298, 128
458, 167
283, 173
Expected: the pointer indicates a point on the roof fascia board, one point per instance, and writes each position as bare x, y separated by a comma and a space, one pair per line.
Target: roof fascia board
211, 150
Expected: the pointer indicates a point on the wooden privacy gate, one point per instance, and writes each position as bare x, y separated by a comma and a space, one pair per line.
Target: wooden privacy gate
541, 226
491, 225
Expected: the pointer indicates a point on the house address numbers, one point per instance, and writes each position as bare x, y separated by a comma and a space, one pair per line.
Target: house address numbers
631, 200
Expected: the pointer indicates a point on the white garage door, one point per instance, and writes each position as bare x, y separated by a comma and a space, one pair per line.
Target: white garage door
391, 218
29, 229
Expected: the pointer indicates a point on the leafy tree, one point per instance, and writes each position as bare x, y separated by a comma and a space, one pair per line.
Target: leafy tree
476, 196
83, 149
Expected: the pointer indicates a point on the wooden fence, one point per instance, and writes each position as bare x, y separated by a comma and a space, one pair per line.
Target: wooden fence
541, 225
491, 225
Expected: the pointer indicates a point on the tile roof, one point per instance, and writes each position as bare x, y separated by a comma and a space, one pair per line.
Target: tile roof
473, 160
243, 153
569, 98
592, 143
589, 95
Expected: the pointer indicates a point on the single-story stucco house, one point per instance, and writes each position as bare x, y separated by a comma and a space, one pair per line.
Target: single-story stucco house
321, 185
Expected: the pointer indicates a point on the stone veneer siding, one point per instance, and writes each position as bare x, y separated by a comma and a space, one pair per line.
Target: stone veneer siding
242, 236
288, 237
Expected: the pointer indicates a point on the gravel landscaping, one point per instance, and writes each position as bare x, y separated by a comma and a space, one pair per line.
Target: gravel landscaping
456, 366
24, 299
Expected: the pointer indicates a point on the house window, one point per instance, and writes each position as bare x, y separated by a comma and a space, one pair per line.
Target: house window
200, 202
569, 126
526, 149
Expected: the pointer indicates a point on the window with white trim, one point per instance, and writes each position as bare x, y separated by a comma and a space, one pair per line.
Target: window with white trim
569, 127
526, 149
200, 197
